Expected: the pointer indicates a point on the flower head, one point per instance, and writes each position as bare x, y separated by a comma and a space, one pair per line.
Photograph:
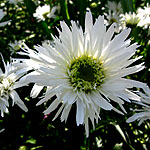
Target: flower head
130, 19
114, 17
8, 83
43, 12
144, 15
114, 14
86, 69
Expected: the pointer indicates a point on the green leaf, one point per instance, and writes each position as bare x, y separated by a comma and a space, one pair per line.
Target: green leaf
31, 141
37, 147
64, 11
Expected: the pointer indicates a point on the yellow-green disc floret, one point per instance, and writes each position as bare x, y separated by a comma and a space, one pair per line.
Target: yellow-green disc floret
86, 73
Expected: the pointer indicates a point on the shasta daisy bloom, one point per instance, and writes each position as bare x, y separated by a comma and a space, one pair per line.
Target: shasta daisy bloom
43, 12
144, 15
8, 83
130, 19
85, 69
114, 17
114, 12
142, 114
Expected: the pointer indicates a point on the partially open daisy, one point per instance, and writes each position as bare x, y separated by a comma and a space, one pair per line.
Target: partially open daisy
144, 15
142, 114
9, 81
113, 14
86, 69
130, 19
43, 12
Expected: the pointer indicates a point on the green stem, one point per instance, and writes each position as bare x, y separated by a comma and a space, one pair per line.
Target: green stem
64, 11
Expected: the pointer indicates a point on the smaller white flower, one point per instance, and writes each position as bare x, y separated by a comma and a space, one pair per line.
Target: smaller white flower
130, 19
1, 16
144, 15
113, 15
9, 81
142, 114
43, 12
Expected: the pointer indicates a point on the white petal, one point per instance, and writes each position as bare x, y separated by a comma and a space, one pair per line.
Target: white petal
135, 117
109, 34
52, 106
80, 112
132, 95
47, 96
87, 127
36, 90
115, 99
58, 112
69, 97
4, 23
100, 101
118, 111
65, 113
88, 21
18, 101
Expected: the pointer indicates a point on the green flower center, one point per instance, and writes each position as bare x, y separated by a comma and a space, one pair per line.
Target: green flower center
112, 20
5, 85
86, 73
45, 14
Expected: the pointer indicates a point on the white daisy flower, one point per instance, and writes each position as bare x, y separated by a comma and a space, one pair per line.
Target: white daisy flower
144, 15
142, 114
1, 16
114, 17
85, 69
129, 19
114, 11
8, 83
43, 12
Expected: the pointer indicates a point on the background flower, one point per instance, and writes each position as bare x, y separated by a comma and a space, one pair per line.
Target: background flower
113, 14
43, 12
142, 114
8, 83
144, 15
130, 19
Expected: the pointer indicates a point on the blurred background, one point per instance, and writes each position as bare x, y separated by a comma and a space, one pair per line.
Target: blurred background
34, 22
